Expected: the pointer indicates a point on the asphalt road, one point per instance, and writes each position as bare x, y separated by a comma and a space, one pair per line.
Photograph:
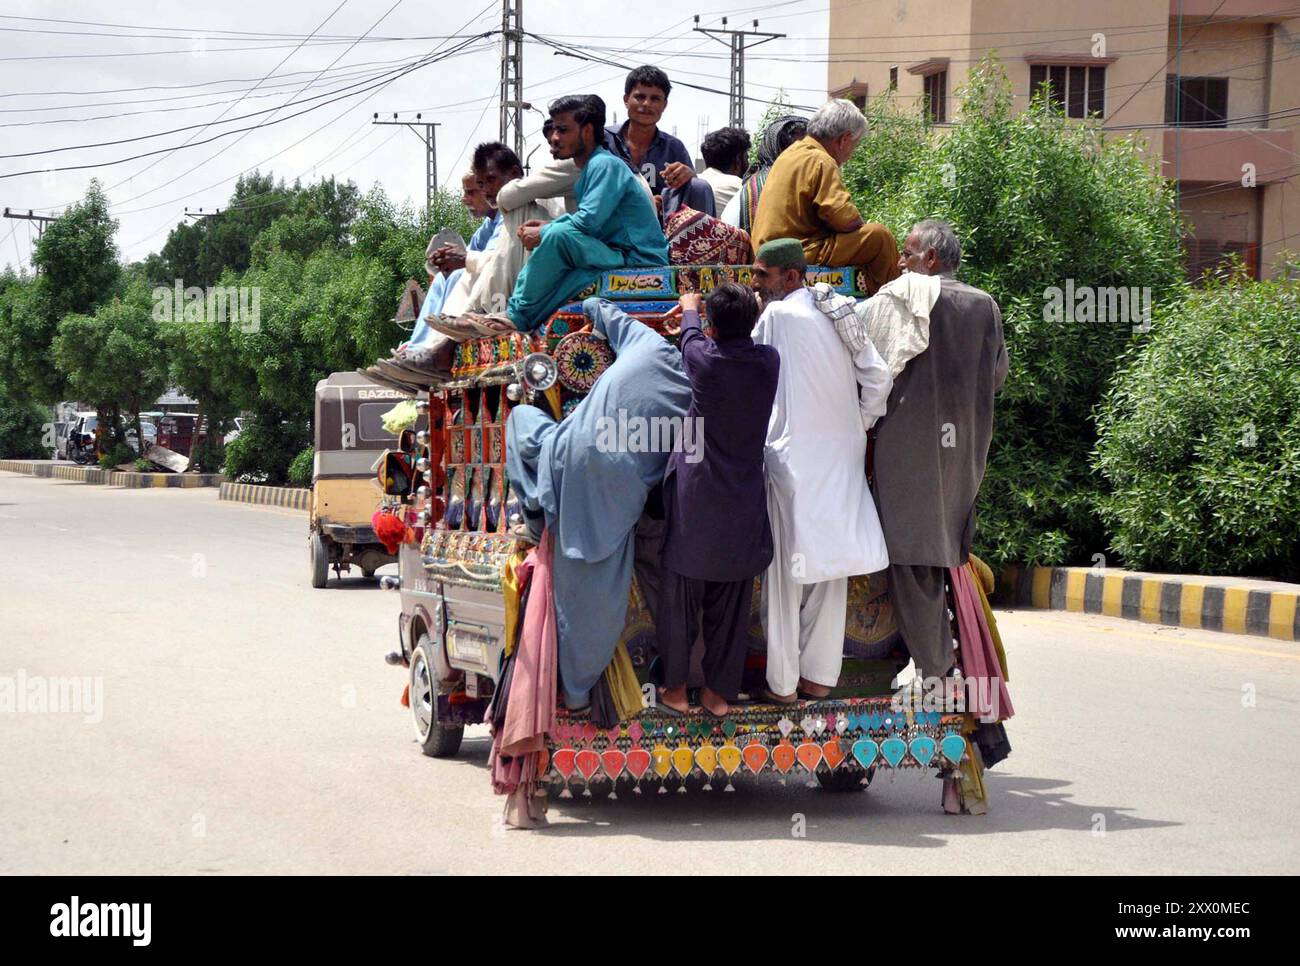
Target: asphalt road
248, 724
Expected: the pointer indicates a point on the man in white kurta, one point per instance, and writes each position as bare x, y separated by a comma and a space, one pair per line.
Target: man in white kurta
824, 523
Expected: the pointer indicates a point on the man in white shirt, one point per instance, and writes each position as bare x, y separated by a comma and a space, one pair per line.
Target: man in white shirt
824, 523
726, 156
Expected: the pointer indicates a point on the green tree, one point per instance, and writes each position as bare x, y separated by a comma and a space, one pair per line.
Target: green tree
23, 426
1040, 202
77, 261
114, 358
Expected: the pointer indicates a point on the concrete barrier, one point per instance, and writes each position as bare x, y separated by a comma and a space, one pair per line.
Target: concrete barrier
1238, 605
135, 481
282, 496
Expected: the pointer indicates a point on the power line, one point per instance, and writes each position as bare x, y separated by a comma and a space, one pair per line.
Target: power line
423, 62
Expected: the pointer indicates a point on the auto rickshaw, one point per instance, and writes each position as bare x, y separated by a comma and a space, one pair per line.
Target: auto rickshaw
350, 439
454, 581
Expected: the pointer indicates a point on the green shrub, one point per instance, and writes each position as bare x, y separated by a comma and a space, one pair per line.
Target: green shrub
22, 427
264, 450
1036, 200
300, 470
143, 465
115, 455
1200, 436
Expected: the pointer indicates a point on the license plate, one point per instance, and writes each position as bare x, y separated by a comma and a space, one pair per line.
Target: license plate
468, 647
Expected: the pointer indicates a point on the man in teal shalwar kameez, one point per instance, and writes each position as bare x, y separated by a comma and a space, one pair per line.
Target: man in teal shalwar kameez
615, 225
590, 494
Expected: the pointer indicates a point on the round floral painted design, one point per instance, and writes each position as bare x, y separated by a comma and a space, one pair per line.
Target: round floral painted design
581, 357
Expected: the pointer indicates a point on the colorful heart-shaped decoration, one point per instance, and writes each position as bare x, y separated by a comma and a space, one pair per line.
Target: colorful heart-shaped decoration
683, 760
589, 732
729, 728
706, 756
588, 762
953, 747
634, 731
841, 724
785, 726
819, 724
755, 756
873, 721
833, 752
809, 754
638, 762
893, 750
865, 751
922, 748
613, 760
562, 759
663, 760
783, 756
729, 759
934, 718
808, 724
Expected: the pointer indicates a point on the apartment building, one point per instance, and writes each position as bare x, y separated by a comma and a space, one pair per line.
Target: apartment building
1214, 85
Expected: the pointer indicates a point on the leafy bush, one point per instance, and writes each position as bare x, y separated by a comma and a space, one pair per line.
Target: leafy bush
263, 452
142, 465
115, 455
22, 427
1200, 436
300, 470
1037, 200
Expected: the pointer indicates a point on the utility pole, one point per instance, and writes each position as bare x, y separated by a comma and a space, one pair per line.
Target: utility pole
736, 41
512, 75
430, 139
41, 221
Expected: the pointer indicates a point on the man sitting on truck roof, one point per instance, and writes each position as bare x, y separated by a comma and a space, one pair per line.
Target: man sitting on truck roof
615, 225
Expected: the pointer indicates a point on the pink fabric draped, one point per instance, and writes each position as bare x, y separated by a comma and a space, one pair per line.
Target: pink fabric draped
530, 705
979, 658
530, 712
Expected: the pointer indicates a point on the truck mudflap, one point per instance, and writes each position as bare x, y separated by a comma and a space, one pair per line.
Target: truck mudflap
825, 740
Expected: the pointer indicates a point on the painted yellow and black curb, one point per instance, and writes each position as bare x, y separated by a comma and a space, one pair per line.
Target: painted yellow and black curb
1264, 608
136, 481
95, 475
282, 496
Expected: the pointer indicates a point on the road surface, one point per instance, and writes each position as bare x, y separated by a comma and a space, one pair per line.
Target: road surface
248, 724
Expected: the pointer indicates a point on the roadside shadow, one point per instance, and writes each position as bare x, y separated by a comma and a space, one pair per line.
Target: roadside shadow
905, 812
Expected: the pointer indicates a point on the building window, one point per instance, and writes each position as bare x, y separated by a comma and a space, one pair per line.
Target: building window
855, 92
936, 96
1077, 91
893, 78
1196, 101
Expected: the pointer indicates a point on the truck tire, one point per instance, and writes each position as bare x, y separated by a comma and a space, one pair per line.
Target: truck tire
845, 779
436, 740
320, 561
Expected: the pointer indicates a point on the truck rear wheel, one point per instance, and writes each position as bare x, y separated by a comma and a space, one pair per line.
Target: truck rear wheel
320, 561
436, 740
846, 779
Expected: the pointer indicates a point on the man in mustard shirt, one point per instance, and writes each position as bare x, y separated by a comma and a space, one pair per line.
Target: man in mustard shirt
805, 198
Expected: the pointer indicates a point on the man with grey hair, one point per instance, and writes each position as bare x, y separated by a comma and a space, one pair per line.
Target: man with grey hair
805, 198
930, 448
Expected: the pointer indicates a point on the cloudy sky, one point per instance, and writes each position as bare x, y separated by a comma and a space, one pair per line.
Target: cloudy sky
296, 82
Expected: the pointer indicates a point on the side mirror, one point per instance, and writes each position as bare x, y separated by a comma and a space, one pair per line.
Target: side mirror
397, 474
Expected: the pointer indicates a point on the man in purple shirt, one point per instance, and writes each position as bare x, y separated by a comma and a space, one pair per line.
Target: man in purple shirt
718, 538
661, 158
